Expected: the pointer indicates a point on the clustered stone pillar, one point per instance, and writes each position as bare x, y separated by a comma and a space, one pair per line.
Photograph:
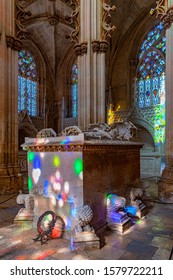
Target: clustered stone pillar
91, 37
9, 168
164, 10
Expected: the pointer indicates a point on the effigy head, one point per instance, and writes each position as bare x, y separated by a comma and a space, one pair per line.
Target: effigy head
136, 193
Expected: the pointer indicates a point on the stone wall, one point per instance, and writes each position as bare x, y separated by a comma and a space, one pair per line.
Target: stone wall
110, 168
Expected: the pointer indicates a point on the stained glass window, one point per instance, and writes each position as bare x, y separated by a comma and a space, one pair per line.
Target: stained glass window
74, 78
151, 79
151, 67
27, 83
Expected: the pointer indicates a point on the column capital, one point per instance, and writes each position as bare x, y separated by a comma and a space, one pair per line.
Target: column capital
99, 46
13, 43
81, 49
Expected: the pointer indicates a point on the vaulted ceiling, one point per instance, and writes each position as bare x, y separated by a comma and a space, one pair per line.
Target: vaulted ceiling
48, 26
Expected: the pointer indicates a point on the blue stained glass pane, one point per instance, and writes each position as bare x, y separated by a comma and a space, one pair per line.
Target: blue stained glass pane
155, 90
27, 83
147, 92
141, 94
75, 90
153, 35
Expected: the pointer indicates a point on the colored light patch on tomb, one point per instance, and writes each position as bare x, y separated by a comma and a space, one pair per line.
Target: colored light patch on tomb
31, 156
66, 187
78, 166
37, 162
46, 186
66, 141
30, 184
56, 161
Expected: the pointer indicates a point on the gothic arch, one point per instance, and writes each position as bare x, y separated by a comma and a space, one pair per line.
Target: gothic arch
64, 80
145, 124
41, 71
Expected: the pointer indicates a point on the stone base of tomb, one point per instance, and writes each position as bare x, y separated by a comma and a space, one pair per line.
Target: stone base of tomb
120, 225
24, 218
85, 241
142, 211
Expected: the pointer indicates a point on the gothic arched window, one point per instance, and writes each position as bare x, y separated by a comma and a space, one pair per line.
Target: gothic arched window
151, 68
27, 83
74, 90
151, 80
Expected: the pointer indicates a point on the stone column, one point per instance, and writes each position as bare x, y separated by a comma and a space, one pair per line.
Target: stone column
9, 45
91, 38
164, 10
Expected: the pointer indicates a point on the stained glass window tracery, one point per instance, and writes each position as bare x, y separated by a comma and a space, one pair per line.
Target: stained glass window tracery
27, 83
74, 79
151, 79
151, 67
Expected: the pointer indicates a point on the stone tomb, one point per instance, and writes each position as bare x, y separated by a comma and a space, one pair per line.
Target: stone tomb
69, 171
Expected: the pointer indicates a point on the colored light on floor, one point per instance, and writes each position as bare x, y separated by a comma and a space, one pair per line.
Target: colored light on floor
56, 232
138, 222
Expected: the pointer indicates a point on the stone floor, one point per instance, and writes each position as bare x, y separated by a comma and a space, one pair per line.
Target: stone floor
150, 238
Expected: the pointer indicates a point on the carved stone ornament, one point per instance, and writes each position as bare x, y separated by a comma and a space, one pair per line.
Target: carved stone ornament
99, 46
167, 19
84, 48
103, 46
55, 148
106, 26
163, 12
161, 8
21, 15
53, 20
13, 43
74, 19
95, 46
80, 49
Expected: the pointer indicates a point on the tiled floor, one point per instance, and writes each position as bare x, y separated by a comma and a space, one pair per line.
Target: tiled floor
151, 238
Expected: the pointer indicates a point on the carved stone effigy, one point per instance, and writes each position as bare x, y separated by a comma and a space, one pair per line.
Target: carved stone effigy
146, 197
136, 195
46, 132
84, 236
118, 131
122, 130
117, 219
71, 130
25, 216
